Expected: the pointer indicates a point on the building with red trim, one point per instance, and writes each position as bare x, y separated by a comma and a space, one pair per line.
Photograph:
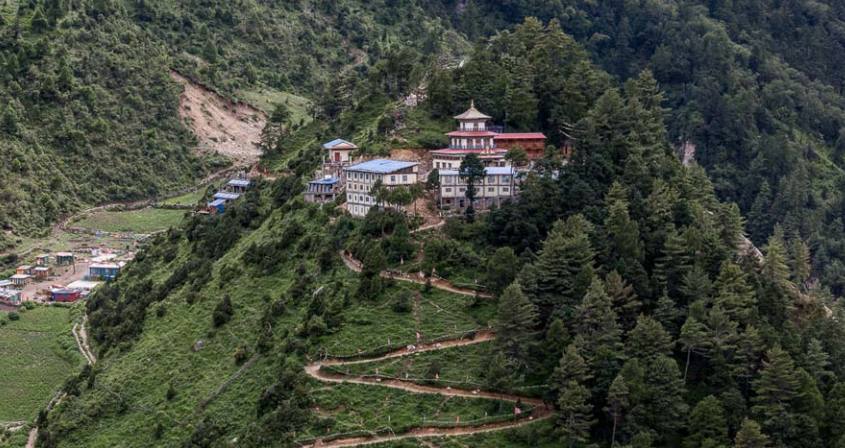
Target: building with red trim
474, 136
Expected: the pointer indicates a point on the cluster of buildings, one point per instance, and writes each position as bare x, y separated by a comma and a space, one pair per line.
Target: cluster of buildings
342, 173
37, 278
233, 190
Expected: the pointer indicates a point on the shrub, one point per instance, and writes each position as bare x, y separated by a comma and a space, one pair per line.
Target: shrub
402, 302
14, 316
223, 312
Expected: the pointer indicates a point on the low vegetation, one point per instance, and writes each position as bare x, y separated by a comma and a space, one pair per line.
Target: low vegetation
145, 220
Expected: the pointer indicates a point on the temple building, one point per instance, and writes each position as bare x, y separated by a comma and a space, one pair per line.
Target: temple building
498, 185
474, 136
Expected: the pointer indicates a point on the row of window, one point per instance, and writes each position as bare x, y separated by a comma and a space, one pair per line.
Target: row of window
490, 180
489, 189
361, 198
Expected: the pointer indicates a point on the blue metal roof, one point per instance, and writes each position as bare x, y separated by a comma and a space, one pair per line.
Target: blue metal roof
226, 196
216, 202
240, 182
381, 166
326, 181
337, 142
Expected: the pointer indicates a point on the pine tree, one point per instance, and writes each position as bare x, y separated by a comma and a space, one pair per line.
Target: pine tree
556, 341
575, 414
564, 269
693, 339
9, 121
673, 263
625, 301
617, 403
658, 404
750, 435
572, 367
760, 215
734, 294
799, 261
516, 319
648, 340
707, 423
721, 332
501, 269
599, 333
775, 300
817, 361
836, 410
38, 24
750, 348
668, 314
472, 170
624, 247
774, 391
696, 285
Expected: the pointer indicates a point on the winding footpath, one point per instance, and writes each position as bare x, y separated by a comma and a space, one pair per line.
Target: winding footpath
315, 370
80, 334
356, 266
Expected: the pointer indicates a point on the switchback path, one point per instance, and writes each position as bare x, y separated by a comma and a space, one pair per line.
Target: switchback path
540, 409
441, 284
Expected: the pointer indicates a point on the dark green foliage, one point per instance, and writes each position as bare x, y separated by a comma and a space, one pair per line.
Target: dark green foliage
472, 170
223, 312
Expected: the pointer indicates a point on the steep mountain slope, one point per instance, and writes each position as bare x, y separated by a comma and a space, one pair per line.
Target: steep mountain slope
755, 86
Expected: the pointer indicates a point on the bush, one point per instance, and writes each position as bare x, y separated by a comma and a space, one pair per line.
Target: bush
14, 316
29, 305
223, 312
402, 302
241, 355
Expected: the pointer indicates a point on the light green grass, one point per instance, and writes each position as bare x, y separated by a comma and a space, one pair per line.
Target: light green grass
38, 353
146, 220
346, 408
266, 98
190, 198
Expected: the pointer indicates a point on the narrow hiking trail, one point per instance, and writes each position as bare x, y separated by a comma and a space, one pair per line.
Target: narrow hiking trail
315, 370
80, 334
356, 266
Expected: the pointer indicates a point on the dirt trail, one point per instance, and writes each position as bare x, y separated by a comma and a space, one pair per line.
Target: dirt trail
540, 411
221, 125
438, 283
80, 333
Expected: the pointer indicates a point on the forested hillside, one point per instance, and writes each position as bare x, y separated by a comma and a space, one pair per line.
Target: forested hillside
87, 100
616, 288
756, 86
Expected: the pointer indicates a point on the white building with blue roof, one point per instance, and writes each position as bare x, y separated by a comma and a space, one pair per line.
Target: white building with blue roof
360, 179
340, 151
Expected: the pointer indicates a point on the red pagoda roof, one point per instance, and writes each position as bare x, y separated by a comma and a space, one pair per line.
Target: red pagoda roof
521, 136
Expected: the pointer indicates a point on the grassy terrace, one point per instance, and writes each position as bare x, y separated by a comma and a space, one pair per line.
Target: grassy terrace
147, 220
38, 353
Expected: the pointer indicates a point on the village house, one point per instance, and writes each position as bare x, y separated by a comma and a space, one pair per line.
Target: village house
41, 272
475, 136
42, 260
362, 177
24, 270
64, 258
10, 297
65, 295
103, 271
20, 280
340, 151
321, 191
238, 185
498, 185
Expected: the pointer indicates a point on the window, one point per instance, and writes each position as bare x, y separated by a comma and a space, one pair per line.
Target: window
461, 190
491, 189
392, 178
505, 189
491, 180
448, 190
404, 178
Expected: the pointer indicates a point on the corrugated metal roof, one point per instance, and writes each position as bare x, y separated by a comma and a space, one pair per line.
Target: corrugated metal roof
339, 143
326, 181
381, 166
521, 136
226, 196
216, 202
240, 182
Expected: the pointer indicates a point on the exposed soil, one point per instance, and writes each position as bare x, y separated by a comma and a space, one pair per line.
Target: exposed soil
221, 126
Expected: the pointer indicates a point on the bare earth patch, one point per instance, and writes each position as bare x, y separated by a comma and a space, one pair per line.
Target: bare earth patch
222, 126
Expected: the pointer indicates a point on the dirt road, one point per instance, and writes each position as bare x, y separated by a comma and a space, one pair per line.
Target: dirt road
540, 409
441, 284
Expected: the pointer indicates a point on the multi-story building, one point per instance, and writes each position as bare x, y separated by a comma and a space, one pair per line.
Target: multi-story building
498, 185
475, 136
360, 179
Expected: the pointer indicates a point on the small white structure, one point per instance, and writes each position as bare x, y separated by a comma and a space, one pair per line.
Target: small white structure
498, 185
362, 177
85, 286
340, 151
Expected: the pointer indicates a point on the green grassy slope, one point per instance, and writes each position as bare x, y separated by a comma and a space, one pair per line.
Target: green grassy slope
38, 351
